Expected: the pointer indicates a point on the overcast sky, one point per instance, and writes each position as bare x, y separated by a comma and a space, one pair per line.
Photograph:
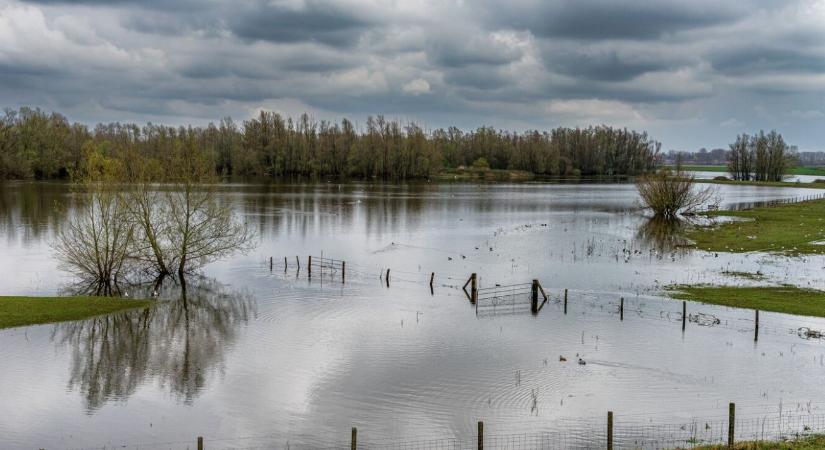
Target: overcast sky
693, 73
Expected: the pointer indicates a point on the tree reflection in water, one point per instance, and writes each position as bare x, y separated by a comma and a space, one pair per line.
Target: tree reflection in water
663, 234
178, 343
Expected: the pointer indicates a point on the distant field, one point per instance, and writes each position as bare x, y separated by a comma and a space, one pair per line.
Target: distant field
794, 171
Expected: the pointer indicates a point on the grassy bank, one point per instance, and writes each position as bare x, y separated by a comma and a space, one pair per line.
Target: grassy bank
21, 311
483, 175
781, 299
793, 184
804, 443
790, 229
815, 171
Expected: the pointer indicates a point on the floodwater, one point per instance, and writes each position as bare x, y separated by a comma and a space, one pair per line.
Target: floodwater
269, 357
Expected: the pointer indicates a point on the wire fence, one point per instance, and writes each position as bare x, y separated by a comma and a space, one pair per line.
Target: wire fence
769, 203
572, 434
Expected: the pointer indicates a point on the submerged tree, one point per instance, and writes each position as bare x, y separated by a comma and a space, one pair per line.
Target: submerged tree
95, 242
669, 193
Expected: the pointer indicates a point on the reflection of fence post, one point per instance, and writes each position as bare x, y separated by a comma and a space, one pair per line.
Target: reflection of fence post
200, 443
756, 330
474, 287
565, 301
298, 262
354, 439
309, 266
731, 421
480, 435
534, 298
684, 314
621, 309
610, 430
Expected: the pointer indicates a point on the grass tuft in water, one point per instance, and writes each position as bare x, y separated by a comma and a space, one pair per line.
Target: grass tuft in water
803, 443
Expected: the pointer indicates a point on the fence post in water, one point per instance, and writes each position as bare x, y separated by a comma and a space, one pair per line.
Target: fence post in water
610, 430
309, 266
621, 308
565, 301
200, 443
480, 435
387, 279
474, 287
756, 330
343, 271
298, 262
270, 264
354, 439
534, 298
432, 278
684, 315
731, 421
285, 264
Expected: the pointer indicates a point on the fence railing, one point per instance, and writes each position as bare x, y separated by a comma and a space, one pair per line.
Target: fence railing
613, 433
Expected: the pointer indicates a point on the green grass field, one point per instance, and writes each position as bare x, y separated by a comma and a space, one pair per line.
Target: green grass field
723, 169
781, 299
22, 311
791, 229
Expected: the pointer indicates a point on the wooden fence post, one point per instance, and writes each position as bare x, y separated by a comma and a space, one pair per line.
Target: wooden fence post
309, 266
565, 301
756, 330
610, 430
684, 315
200, 443
285, 264
474, 287
387, 279
343, 271
731, 421
480, 435
534, 298
354, 439
621, 308
270, 264
298, 262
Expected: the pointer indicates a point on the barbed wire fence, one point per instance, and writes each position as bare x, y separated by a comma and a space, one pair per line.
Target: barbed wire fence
611, 434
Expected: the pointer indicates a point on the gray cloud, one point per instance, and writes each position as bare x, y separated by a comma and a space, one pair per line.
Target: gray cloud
678, 69
315, 21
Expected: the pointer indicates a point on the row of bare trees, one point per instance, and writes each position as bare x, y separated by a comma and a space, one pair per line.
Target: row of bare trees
760, 157
40, 145
160, 222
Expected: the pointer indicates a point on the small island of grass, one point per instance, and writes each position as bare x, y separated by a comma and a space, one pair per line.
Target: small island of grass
22, 311
781, 299
791, 229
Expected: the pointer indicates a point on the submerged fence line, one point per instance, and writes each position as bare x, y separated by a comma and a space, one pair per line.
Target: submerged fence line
771, 203
610, 432
496, 299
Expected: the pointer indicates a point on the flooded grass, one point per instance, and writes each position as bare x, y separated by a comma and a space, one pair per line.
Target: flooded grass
791, 229
753, 276
22, 311
781, 299
805, 443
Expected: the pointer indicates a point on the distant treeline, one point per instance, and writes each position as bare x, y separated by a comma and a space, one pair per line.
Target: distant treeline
38, 145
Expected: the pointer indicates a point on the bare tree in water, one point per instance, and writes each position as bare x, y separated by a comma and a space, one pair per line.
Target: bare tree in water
670, 193
95, 243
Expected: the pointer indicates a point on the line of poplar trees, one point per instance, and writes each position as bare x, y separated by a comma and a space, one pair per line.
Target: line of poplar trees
760, 157
35, 144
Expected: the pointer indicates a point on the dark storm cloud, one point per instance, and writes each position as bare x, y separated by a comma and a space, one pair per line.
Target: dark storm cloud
593, 20
645, 64
314, 21
602, 66
763, 59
